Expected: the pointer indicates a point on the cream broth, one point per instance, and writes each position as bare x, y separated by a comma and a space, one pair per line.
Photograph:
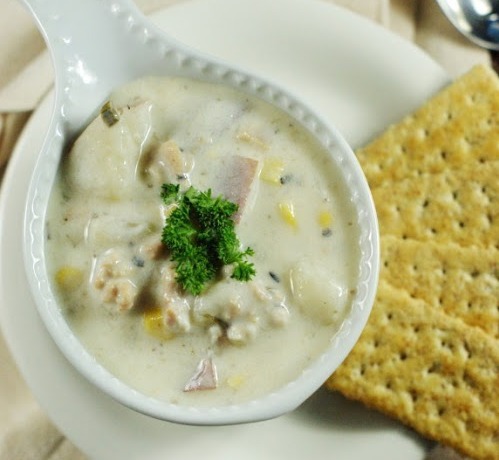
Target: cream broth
236, 340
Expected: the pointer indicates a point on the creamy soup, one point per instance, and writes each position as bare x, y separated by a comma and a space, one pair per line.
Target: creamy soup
119, 288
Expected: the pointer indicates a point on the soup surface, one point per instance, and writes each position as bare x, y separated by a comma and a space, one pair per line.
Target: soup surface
118, 285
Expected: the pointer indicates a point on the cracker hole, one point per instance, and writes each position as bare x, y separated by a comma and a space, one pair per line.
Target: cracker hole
441, 411
426, 203
403, 356
468, 379
414, 396
443, 155
433, 368
449, 346
466, 141
467, 350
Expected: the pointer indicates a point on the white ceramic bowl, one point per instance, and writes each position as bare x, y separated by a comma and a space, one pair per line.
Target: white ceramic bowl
83, 81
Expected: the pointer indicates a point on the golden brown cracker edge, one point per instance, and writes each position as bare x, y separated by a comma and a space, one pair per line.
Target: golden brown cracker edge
428, 370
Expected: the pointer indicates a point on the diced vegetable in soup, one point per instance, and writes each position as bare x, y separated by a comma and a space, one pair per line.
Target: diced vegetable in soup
201, 242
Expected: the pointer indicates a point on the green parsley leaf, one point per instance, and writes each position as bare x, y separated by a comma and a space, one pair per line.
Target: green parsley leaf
200, 233
170, 193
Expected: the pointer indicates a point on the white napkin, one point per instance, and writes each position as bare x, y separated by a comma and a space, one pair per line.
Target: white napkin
26, 76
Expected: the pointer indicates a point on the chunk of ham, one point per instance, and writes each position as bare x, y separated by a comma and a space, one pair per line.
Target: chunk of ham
205, 377
233, 179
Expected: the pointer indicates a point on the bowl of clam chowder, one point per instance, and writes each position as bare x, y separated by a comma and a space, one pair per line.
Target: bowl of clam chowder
206, 257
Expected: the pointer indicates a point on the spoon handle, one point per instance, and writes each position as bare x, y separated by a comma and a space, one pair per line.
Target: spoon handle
94, 41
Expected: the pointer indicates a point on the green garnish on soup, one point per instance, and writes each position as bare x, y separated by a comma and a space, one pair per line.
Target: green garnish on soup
200, 234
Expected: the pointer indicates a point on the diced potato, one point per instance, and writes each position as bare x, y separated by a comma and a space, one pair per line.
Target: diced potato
272, 170
68, 278
316, 291
153, 321
325, 219
287, 212
103, 160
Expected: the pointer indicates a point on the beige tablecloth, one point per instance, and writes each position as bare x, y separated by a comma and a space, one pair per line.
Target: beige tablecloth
25, 77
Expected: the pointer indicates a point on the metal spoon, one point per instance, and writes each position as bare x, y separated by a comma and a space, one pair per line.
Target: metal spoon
478, 20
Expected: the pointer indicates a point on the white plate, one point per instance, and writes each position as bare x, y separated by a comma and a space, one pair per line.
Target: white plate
360, 77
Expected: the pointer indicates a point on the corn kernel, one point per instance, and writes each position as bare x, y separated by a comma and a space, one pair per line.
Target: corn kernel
272, 170
68, 278
325, 219
251, 139
235, 381
287, 212
154, 325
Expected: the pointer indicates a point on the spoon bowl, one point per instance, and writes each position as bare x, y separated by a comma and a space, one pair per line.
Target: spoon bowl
97, 46
478, 20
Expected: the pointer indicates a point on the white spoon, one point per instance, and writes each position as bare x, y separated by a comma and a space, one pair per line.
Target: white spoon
478, 20
96, 46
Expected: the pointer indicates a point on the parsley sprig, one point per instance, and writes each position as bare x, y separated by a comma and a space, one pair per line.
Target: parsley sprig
200, 233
